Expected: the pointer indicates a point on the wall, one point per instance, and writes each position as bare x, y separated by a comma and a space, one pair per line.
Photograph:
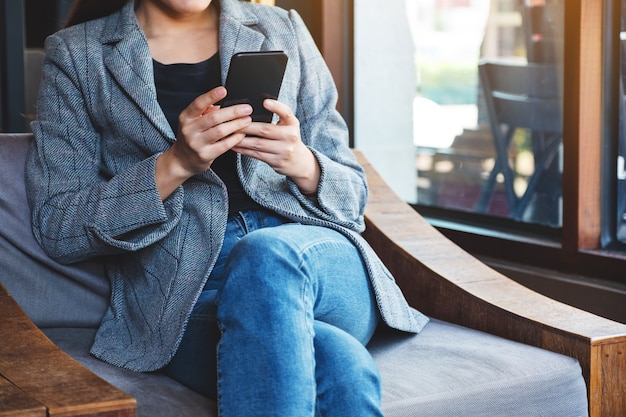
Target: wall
384, 88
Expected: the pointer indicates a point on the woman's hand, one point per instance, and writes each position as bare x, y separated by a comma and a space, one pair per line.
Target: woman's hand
205, 132
281, 147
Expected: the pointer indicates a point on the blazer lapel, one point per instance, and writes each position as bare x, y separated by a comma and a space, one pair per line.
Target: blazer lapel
130, 64
237, 32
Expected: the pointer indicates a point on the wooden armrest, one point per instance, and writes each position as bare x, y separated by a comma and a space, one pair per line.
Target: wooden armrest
443, 281
38, 379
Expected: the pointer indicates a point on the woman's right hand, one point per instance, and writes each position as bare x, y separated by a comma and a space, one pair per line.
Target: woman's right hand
205, 132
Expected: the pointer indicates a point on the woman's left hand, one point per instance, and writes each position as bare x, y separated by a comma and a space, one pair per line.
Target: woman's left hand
281, 147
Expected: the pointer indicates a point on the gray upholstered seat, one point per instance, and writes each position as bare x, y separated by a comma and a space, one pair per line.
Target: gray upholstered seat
447, 370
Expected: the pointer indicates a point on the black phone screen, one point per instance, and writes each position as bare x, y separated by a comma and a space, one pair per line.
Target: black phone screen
254, 77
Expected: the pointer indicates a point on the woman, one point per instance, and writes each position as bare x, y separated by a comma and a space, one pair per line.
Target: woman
204, 218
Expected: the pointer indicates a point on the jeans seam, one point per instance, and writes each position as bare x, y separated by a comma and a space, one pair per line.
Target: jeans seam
309, 319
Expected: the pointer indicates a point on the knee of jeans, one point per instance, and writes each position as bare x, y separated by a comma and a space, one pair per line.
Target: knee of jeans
262, 271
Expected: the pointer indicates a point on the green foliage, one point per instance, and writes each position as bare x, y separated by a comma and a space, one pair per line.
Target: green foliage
448, 83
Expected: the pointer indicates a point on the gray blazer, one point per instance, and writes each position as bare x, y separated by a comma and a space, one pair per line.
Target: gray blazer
91, 176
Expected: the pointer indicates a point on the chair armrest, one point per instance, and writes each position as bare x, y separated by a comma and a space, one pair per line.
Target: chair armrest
443, 281
37, 378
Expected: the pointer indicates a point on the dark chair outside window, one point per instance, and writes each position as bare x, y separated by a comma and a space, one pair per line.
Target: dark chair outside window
522, 96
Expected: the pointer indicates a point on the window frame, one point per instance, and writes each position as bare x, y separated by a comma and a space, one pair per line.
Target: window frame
587, 244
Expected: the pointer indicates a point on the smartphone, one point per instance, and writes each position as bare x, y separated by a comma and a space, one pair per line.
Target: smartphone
253, 77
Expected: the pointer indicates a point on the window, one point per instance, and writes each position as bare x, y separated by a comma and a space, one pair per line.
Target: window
441, 162
466, 157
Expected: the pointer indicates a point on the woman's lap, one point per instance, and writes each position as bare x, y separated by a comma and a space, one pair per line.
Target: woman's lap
328, 283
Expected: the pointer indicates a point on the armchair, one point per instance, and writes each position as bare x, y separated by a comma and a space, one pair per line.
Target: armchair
493, 347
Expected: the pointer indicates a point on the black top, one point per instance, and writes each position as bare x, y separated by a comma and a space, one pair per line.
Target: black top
177, 86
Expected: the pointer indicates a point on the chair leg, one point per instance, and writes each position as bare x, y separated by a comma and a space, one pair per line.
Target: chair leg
544, 160
501, 166
488, 190
486, 193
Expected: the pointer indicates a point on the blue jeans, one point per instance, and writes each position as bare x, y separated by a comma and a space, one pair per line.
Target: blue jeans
287, 309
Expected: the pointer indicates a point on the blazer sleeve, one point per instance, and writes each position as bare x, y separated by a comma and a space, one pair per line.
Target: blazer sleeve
77, 210
342, 192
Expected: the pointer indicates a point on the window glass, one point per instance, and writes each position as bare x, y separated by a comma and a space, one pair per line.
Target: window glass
487, 140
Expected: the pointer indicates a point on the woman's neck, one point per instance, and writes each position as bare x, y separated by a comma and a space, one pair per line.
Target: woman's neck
179, 36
